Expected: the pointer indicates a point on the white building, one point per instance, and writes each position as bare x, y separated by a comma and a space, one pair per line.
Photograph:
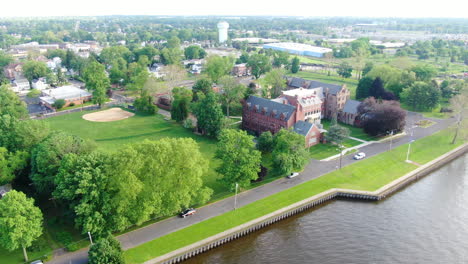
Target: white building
299, 49
39, 84
223, 31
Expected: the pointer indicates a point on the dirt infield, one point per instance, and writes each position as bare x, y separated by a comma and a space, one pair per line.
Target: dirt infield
109, 115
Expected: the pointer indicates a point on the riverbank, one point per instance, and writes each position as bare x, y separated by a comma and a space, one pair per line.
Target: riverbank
367, 175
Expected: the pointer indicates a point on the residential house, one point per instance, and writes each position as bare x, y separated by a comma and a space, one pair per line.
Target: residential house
241, 70
39, 84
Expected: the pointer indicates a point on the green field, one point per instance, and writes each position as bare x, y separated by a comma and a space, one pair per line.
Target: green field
354, 131
322, 151
369, 174
334, 79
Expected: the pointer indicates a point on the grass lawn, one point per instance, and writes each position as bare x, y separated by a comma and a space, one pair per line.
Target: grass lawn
369, 174
350, 83
111, 136
322, 151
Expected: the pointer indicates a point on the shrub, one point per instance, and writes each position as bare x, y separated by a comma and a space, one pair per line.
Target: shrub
72, 104
34, 93
59, 103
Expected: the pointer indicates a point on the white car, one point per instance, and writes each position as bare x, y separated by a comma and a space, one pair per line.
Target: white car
37, 262
360, 156
292, 175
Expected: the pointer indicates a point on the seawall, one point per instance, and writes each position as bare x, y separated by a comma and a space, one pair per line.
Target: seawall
189, 251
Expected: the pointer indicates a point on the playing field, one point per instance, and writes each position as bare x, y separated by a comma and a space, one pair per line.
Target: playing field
109, 115
110, 136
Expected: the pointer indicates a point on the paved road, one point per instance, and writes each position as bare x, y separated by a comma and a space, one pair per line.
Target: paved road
313, 170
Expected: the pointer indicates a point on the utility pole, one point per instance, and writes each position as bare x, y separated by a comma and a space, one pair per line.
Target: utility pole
235, 197
391, 139
90, 238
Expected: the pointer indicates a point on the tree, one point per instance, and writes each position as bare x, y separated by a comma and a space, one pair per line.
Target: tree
345, 70
424, 72
232, 91
16, 135
363, 88
289, 152
216, 67
194, 52
97, 81
265, 142
259, 64
201, 86
83, 184
11, 163
367, 68
381, 117
34, 70
110, 54
240, 160
459, 104
181, 103
421, 96
377, 89
275, 79
20, 221
295, 66
59, 103
171, 56
157, 178
280, 59
209, 115
11, 104
47, 155
106, 250
145, 104
336, 134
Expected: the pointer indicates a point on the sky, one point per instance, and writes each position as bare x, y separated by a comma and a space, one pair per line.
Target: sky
313, 8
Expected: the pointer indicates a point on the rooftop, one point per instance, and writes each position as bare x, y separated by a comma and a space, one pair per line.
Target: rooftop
303, 127
64, 92
351, 106
271, 107
298, 46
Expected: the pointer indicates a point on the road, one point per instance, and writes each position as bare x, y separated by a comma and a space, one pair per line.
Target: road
313, 170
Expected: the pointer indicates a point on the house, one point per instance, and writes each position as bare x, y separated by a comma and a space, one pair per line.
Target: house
13, 71
311, 132
241, 70
39, 84
69, 93
20, 85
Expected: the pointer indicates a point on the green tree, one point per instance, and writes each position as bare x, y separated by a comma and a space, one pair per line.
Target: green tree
217, 66
232, 91
209, 115
345, 70
11, 164
20, 221
459, 104
171, 56
240, 159
181, 103
157, 178
295, 66
83, 183
18, 135
11, 104
289, 152
202, 86
110, 54
97, 81
145, 104
106, 250
265, 142
34, 70
367, 68
336, 134
280, 59
194, 52
173, 43
421, 96
363, 88
275, 81
47, 155
259, 64
59, 103
424, 72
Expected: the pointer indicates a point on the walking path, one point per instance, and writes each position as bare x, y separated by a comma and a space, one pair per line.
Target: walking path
313, 170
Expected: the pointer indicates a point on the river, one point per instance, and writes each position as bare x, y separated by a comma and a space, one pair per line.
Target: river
427, 222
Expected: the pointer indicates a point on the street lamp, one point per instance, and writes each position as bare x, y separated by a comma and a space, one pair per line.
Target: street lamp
409, 148
235, 197
340, 148
391, 139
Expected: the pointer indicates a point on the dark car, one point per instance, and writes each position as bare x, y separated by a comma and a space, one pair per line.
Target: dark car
188, 212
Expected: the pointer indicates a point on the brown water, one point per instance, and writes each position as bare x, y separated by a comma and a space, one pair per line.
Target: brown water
425, 223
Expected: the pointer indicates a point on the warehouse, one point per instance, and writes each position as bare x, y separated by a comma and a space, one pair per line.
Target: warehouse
299, 49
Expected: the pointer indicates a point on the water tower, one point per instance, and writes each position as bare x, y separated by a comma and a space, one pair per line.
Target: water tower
223, 31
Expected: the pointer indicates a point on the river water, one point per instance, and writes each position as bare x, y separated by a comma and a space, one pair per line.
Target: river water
427, 222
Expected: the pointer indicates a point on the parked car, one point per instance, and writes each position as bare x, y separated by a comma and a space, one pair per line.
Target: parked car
359, 156
37, 262
292, 175
188, 212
